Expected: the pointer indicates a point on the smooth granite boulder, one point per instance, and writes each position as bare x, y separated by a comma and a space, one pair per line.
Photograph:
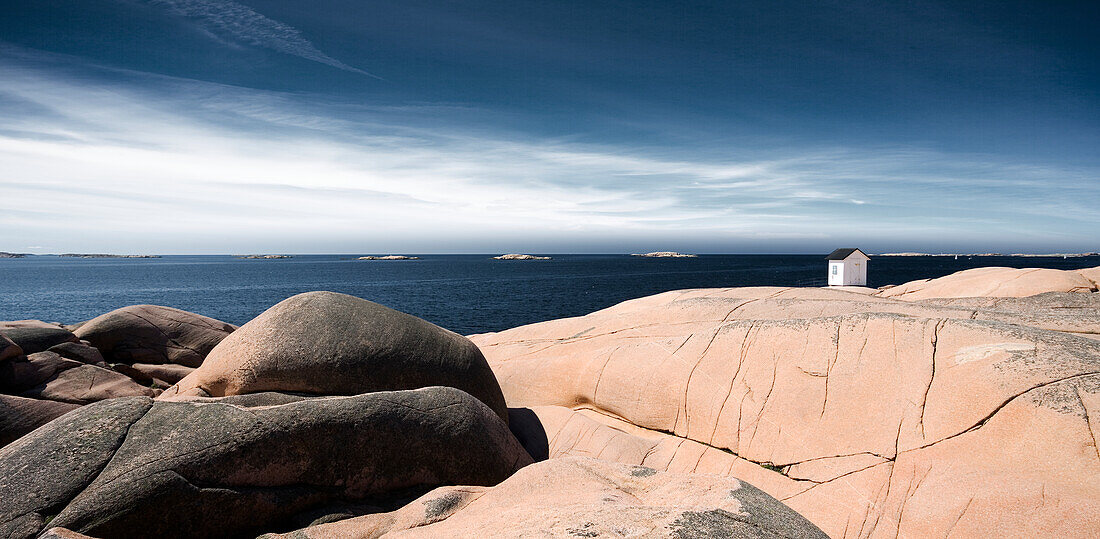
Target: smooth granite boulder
10, 324
38, 339
919, 420
997, 282
43, 471
79, 351
85, 384
583, 497
154, 334
325, 343
20, 415
168, 373
24, 373
134, 467
8, 349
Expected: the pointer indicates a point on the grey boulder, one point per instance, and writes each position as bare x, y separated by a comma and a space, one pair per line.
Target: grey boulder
324, 343
8, 348
88, 383
24, 373
38, 339
79, 351
133, 467
154, 334
20, 415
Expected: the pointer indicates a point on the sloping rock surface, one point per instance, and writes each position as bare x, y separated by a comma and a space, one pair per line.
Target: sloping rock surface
154, 334
41, 472
997, 282
88, 383
8, 348
870, 416
326, 343
78, 351
583, 497
24, 373
20, 415
11, 324
38, 339
133, 466
166, 373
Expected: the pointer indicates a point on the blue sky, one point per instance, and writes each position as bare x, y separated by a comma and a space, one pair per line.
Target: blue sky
218, 126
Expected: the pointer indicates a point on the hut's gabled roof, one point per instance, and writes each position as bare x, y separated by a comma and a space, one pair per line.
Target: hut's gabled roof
841, 254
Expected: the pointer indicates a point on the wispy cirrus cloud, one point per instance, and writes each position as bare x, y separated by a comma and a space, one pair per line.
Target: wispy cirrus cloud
238, 22
183, 163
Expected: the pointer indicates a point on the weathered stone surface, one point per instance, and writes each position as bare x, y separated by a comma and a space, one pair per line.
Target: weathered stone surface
165, 373
563, 432
670, 312
21, 374
140, 377
212, 469
867, 423
997, 282
38, 339
42, 471
1074, 313
19, 415
583, 497
79, 351
10, 324
154, 334
8, 349
333, 344
62, 533
85, 384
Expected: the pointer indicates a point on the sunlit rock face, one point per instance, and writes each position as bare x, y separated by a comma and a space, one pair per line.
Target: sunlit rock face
870, 416
584, 497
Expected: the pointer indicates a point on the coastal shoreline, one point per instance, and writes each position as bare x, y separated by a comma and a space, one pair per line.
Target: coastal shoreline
788, 355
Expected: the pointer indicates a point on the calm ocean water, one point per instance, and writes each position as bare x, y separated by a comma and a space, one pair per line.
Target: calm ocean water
464, 293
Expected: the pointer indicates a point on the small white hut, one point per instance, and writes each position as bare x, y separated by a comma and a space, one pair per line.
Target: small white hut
848, 267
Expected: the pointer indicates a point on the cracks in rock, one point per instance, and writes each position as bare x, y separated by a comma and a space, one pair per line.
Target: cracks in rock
909, 492
829, 369
760, 414
1006, 402
890, 460
845, 455
599, 376
91, 382
830, 480
733, 382
1088, 421
687, 385
568, 340
682, 344
886, 498
932, 377
958, 518
1001, 284
681, 440
114, 453
169, 340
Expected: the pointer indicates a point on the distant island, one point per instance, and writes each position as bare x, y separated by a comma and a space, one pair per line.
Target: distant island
664, 254
389, 257
265, 256
12, 255
1023, 255
517, 256
101, 255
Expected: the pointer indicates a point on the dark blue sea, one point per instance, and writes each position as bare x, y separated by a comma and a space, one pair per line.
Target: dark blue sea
464, 293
